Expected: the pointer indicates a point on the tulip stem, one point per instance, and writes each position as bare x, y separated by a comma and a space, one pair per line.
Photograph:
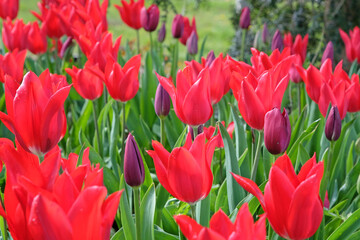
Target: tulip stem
175, 56
99, 144
327, 167
162, 131
243, 44
151, 44
193, 211
299, 97
137, 212
195, 131
138, 41
256, 158
122, 136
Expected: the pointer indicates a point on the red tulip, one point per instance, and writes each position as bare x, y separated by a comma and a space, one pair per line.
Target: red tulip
221, 227
12, 64
219, 76
53, 20
36, 39
9, 8
122, 83
188, 29
130, 13
191, 97
300, 46
209, 132
288, 40
352, 43
92, 11
325, 86
258, 95
150, 17
88, 35
86, 83
354, 102
185, 172
35, 110
14, 34
291, 202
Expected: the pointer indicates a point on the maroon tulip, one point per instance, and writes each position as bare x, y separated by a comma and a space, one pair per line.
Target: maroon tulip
333, 124
277, 131
328, 53
177, 27
162, 33
192, 43
265, 33
244, 22
277, 41
134, 173
149, 18
210, 58
162, 102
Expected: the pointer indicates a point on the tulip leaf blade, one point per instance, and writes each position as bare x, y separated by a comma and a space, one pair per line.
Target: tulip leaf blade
201, 53
118, 235
126, 215
234, 191
349, 226
147, 212
162, 235
221, 199
180, 139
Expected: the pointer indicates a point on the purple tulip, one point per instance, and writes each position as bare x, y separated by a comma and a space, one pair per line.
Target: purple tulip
333, 124
134, 173
162, 102
265, 34
244, 22
177, 27
328, 53
210, 58
192, 43
277, 41
149, 18
162, 33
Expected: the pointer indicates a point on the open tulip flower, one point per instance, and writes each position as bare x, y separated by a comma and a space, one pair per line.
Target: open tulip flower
325, 86
185, 172
291, 202
13, 34
12, 64
35, 110
221, 227
352, 43
130, 13
191, 97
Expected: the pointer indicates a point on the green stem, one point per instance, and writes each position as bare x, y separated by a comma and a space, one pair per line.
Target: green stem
4, 234
97, 132
174, 60
193, 211
243, 44
122, 136
299, 97
138, 41
195, 131
151, 44
256, 158
137, 212
327, 167
162, 131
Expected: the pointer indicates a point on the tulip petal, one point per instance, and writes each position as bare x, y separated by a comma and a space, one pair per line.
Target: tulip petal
65, 191
284, 163
221, 224
348, 46
306, 168
244, 223
313, 83
208, 234
188, 226
109, 209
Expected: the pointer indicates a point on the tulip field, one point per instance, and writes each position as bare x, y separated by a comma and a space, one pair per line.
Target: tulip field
161, 132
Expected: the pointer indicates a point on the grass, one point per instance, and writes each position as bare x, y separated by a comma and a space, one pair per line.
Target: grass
212, 20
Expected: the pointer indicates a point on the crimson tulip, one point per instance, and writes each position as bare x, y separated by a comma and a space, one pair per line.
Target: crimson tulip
86, 83
288, 40
325, 86
150, 17
14, 34
122, 83
9, 8
53, 20
130, 13
36, 39
188, 29
191, 97
35, 110
221, 227
352, 43
177, 27
92, 11
12, 64
291, 202
300, 46
185, 172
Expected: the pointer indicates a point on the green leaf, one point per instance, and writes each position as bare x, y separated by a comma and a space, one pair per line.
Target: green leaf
222, 199
147, 211
119, 235
126, 215
161, 235
180, 140
349, 226
201, 53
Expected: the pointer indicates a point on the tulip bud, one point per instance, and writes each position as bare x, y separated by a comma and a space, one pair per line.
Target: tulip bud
134, 173
149, 18
277, 131
162, 33
328, 53
277, 41
333, 124
265, 33
192, 43
162, 102
244, 22
177, 27
210, 58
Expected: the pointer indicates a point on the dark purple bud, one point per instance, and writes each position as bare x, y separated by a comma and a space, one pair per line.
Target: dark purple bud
210, 58
265, 34
177, 27
149, 18
294, 74
328, 53
133, 164
333, 124
162, 33
277, 131
244, 22
200, 129
277, 41
192, 43
162, 102
65, 46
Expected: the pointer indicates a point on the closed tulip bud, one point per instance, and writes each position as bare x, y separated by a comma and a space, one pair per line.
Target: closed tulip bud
192, 43
210, 58
162, 102
162, 33
133, 164
149, 18
277, 41
177, 27
333, 124
328, 53
244, 22
265, 34
277, 131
